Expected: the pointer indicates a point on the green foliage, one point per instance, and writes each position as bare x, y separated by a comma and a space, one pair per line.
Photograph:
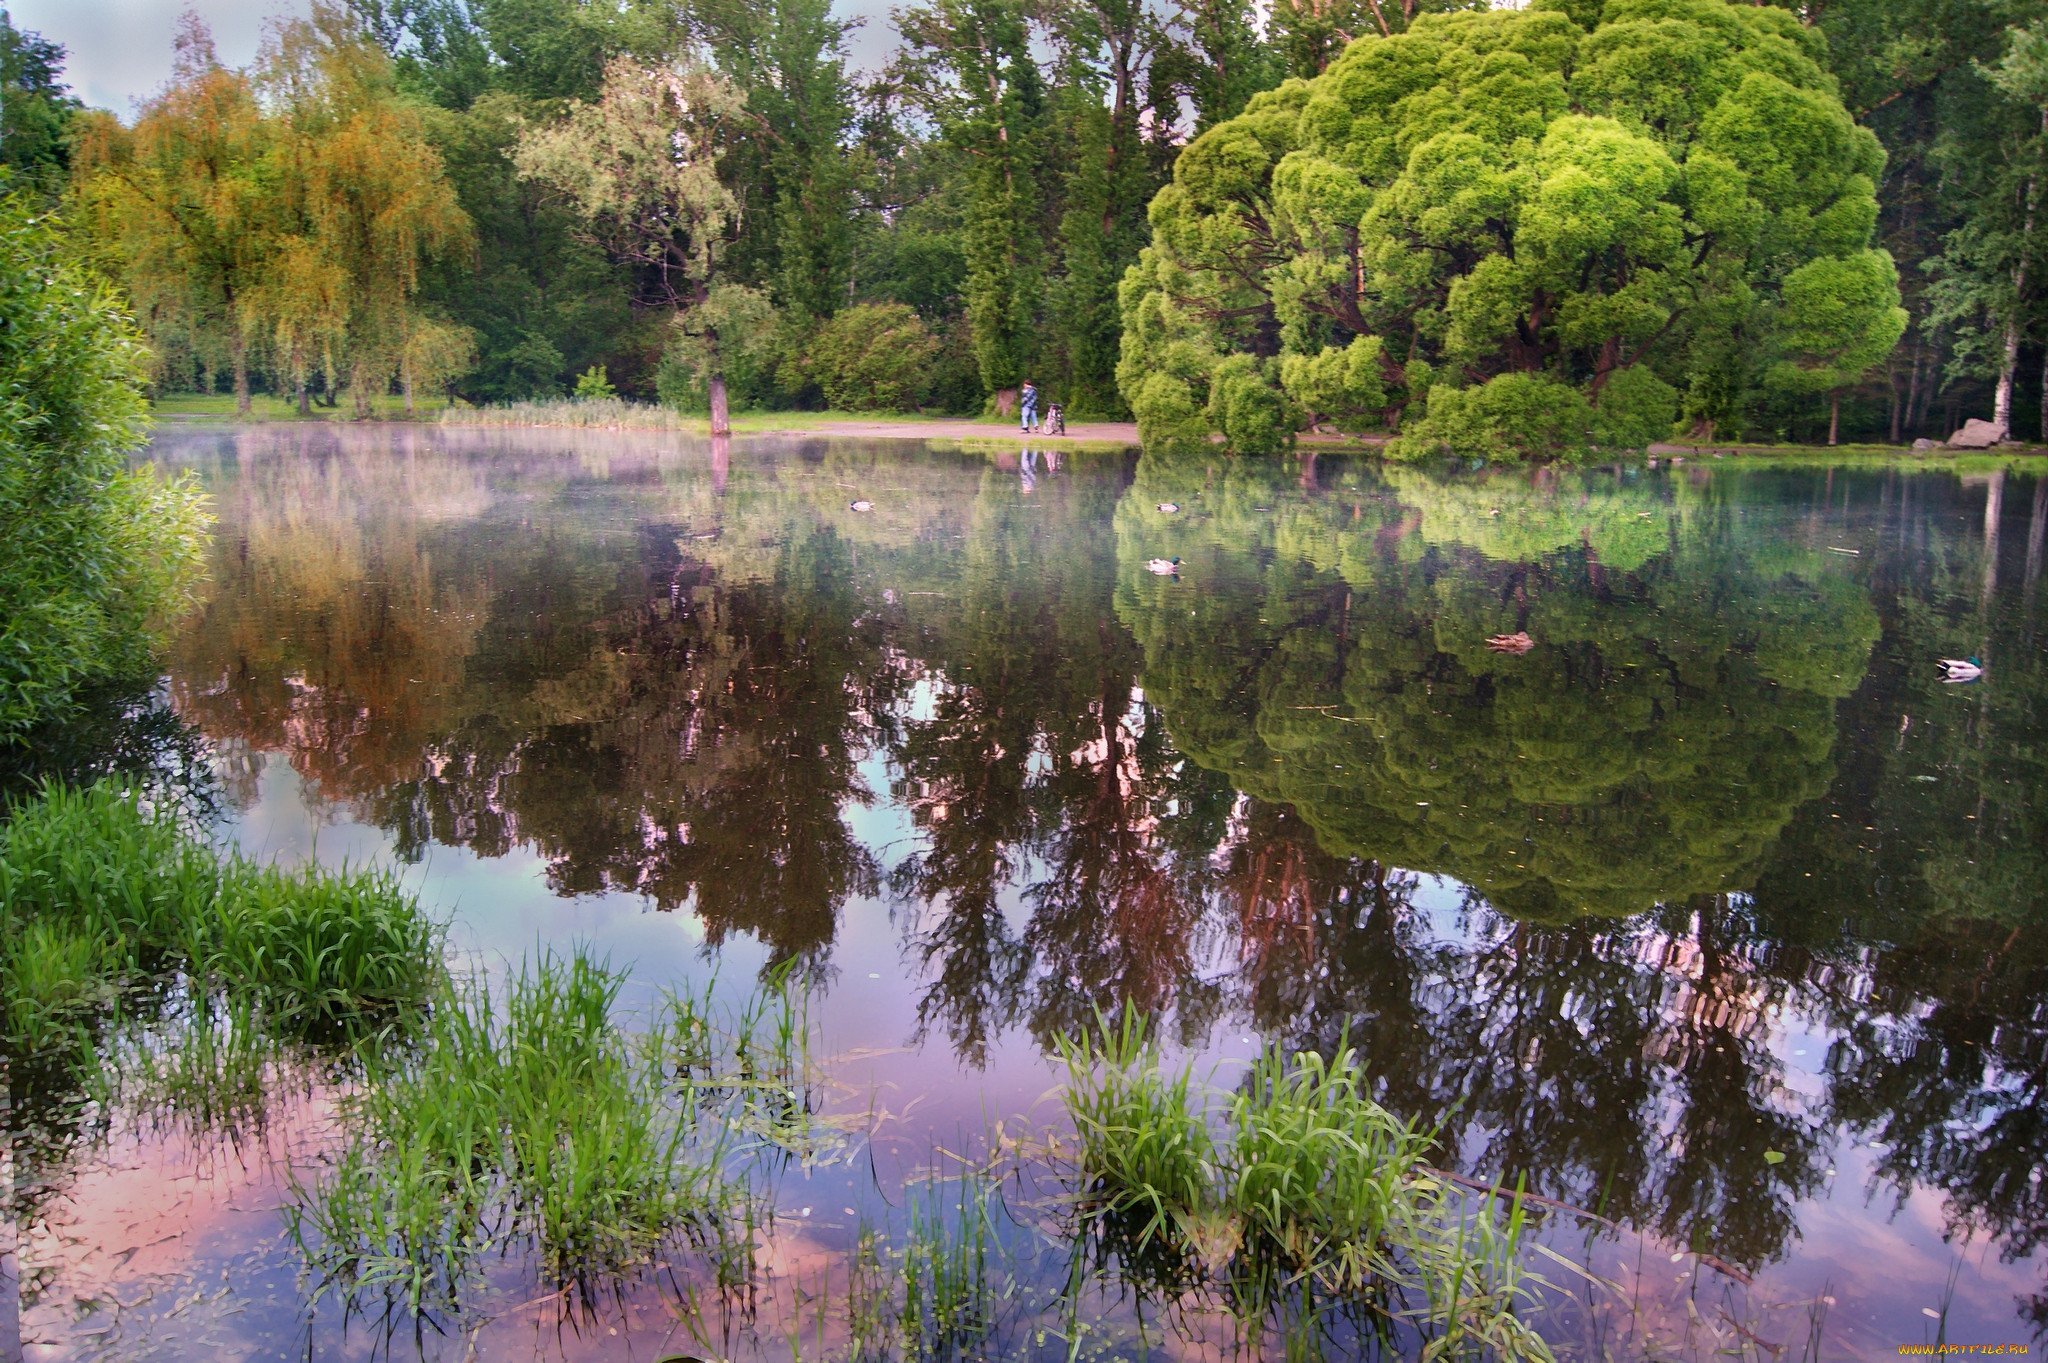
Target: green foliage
593, 386
874, 357
1510, 417
1343, 384
99, 893
1532, 208
94, 557
35, 111
1250, 412
1635, 408
1315, 1179
536, 1119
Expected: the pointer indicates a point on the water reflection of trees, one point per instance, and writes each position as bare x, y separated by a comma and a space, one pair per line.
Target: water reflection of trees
1205, 796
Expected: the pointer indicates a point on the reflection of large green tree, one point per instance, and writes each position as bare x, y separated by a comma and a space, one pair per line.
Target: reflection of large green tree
1918, 885
1326, 655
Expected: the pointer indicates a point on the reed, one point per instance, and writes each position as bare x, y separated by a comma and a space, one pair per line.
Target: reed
599, 414
947, 1294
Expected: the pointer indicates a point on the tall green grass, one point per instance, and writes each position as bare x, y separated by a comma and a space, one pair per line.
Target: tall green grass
541, 1123
1314, 1188
102, 895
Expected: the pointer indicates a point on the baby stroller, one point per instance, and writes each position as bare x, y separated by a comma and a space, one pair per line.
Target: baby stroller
1055, 422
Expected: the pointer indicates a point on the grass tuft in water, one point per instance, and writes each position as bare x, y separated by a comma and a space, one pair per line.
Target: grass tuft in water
101, 894
947, 1293
1315, 1187
537, 1123
1148, 1160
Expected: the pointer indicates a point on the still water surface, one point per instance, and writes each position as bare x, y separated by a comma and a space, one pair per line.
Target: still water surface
1717, 867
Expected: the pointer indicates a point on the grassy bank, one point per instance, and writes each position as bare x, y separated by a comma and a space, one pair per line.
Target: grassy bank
270, 407
617, 414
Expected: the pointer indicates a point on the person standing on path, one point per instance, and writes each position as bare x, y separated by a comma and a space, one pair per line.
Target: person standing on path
1029, 397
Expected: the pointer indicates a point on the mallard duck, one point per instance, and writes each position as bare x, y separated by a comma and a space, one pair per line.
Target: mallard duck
1168, 508
1518, 642
863, 504
1165, 567
1960, 669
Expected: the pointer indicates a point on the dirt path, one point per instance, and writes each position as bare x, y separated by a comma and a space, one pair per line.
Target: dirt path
1108, 432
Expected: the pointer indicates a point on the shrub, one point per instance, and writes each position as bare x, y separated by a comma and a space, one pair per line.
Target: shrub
593, 385
1634, 409
876, 357
1252, 414
93, 556
1514, 416
1343, 384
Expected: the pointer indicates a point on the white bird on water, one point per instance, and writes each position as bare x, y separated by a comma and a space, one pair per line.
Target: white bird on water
862, 505
1165, 567
1960, 669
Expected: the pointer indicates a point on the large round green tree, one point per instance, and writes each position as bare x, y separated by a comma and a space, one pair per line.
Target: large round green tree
1518, 232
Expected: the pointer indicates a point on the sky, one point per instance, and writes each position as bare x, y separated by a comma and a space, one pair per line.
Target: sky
120, 50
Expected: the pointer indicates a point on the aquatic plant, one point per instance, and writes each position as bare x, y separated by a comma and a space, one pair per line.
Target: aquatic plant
541, 1122
1147, 1157
1315, 1185
102, 894
945, 1266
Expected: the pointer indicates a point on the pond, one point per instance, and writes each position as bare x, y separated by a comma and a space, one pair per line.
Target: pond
1708, 910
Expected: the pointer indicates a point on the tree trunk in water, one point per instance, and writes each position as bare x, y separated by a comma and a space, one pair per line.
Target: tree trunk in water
1834, 416
2037, 538
2044, 396
1994, 506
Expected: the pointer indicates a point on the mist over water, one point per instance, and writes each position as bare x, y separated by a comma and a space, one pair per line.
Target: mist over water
1713, 911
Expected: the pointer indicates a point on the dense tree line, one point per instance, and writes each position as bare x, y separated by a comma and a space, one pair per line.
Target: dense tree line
1379, 199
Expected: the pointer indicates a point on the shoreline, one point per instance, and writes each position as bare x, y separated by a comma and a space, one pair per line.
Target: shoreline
1118, 435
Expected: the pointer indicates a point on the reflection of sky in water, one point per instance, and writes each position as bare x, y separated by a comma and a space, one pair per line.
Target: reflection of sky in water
531, 612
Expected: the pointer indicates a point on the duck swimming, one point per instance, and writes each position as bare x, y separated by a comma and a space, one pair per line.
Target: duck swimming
862, 505
1959, 669
1168, 508
1165, 567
